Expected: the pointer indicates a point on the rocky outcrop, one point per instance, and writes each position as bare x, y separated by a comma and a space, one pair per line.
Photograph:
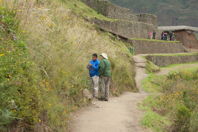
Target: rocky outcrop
126, 29
165, 60
152, 47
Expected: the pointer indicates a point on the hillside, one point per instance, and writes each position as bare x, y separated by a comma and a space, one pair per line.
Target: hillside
45, 47
169, 12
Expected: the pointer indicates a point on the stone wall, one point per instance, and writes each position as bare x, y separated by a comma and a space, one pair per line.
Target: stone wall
110, 10
126, 29
188, 38
147, 18
161, 60
152, 47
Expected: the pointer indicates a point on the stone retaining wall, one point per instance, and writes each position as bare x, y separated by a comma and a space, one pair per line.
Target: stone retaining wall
110, 10
152, 47
168, 60
113, 11
147, 18
126, 29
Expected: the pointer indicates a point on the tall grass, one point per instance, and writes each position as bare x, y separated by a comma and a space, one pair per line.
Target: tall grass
60, 43
177, 104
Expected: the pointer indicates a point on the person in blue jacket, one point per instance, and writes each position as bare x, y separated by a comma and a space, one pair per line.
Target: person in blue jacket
93, 67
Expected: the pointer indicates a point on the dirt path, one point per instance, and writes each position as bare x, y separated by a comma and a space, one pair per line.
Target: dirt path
120, 114
140, 64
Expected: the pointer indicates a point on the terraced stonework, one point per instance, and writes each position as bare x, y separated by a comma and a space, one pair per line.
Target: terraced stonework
153, 47
110, 10
125, 23
165, 60
126, 29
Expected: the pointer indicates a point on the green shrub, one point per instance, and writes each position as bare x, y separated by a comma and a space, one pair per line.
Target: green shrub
154, 121
18, 81
182, 122
194, 121
178, 101
151, 68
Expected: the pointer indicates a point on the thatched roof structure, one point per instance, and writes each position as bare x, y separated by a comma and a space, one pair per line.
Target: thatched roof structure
177, 28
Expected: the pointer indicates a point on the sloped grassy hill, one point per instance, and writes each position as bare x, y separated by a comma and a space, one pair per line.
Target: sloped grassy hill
169, 12
45, 47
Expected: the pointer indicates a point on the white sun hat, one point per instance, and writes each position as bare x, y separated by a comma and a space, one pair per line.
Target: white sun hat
104, 55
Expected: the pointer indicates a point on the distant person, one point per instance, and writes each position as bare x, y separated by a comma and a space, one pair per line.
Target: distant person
162, 36
171, 36
150, 35
165, 36
154, 35
93, 67
105, 76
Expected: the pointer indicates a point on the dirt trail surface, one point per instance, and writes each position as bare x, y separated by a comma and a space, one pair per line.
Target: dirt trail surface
120, 114
140, 64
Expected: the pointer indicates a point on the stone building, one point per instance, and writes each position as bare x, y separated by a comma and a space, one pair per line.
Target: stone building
184, 34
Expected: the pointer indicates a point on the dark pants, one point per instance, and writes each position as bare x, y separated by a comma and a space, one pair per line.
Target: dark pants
104, 83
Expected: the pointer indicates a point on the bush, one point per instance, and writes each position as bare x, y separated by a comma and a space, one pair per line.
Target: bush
18, 81
178, 101
182, 122
194, 121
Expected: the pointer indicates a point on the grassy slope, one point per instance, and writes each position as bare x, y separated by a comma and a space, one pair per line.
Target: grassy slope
19, 93
60, 43
176, 54
174, 108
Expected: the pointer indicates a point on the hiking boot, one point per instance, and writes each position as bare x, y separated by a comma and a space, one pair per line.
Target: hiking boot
101, 99
106, 99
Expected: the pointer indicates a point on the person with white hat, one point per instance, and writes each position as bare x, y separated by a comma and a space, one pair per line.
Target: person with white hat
105, 76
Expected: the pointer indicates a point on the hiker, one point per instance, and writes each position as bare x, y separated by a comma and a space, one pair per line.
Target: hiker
105, 76
171, 35
93, 67
150, 35
162, 36
154, 35
165, 36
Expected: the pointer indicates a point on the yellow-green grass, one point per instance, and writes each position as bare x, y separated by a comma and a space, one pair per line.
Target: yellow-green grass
151, 119
60, 44
183, 65
175, 107
154, 40
150, 83
83, 10
153, 82
175, 54
151, 67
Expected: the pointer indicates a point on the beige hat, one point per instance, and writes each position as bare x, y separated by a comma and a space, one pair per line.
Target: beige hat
104, 55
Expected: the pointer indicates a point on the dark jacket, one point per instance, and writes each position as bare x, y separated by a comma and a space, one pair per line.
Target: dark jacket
105, 68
